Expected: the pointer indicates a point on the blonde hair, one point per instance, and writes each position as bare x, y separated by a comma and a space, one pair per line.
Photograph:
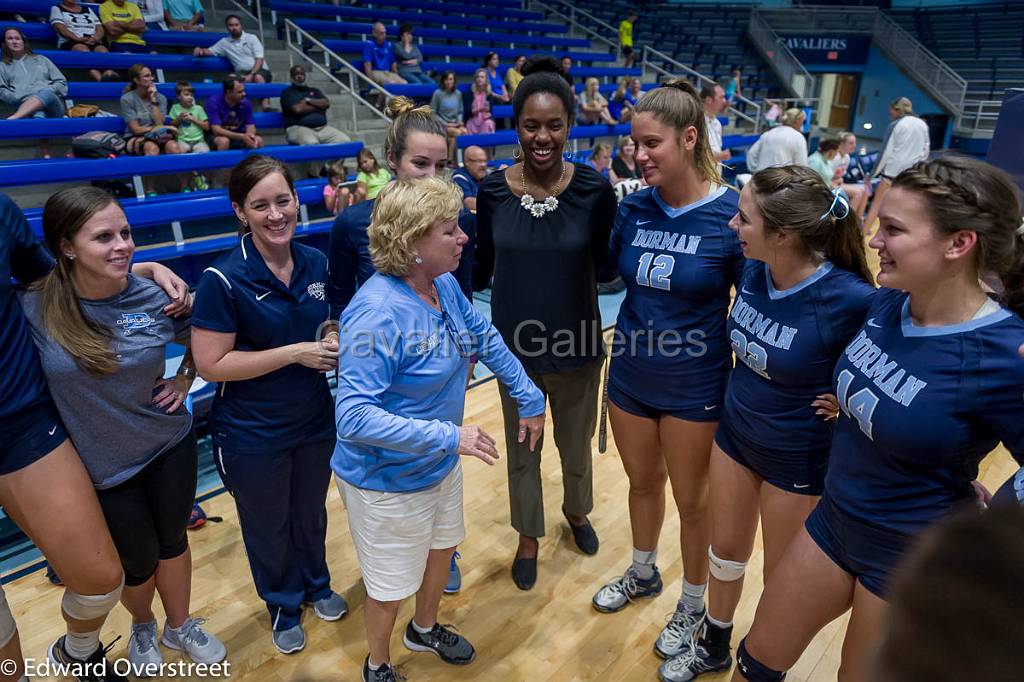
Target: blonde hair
407, 118
601, 147
403, 213
487, 82
87, 342
902, 105
676, 105
791, 116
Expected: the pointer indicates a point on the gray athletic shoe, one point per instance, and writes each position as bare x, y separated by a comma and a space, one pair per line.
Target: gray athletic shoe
197, 643
442, 641
696, 661
385, 673
291, 640
680, 634
143, 653
330, 608
618, 593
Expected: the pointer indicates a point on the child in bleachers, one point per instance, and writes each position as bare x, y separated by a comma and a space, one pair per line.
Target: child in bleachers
336, 197
189, 118
601, 160
481, 120
371, 177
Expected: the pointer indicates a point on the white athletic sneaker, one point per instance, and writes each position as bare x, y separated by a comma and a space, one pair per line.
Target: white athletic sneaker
681, 632
200, 645
143, 653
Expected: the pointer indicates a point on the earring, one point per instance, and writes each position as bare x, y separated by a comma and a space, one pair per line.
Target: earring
418, 260
517, 153
70, 256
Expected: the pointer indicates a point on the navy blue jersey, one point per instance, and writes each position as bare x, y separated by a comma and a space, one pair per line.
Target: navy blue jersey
348, 253
786, 345
920, 408
24, 260
238, 294
670, 349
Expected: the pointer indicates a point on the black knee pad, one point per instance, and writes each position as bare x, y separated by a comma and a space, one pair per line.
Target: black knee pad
752, 669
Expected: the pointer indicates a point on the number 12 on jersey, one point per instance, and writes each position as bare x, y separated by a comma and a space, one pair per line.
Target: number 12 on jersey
656, 271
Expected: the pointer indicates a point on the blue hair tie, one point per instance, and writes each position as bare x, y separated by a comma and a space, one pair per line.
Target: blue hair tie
840, 207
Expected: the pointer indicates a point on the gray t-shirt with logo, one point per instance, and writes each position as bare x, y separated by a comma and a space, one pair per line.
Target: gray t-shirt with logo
112, 420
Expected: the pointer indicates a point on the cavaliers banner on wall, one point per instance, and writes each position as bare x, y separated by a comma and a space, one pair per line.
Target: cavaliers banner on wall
832, 48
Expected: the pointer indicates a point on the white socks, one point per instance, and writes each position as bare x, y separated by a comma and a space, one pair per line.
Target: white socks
643, 563
693, 596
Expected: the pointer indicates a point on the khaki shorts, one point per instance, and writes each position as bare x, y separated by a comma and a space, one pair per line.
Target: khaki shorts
394, 532
197, 147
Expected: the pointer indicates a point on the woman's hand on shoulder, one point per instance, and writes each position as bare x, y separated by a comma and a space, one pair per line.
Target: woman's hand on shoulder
475, 442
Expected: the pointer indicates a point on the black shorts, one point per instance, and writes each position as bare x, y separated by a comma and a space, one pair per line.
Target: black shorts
237, 144
30, 434
627, 50
148, 513
636, 407
803, 474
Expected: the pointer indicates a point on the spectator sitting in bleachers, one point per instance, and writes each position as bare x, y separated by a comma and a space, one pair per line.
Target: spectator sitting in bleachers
592, 105
243, 50
624, 165
409, 58
732, 86
30, 82
821, 161
480, 120
124, 26
853, 175
713, 96
184, 15
566, 67
472, 173
499, 95
78, 29
636, 88
305, 113
514, 74
231, 120
152, 14
781, 146
618, 106
190, 119
371, 178
379, 63
447, 105
336, 197
601, 161
144, 110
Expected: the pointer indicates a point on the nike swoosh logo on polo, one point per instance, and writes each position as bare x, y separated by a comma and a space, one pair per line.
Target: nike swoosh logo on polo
642, 222
262, 296
708, 408
805, 485
53, 430
871, 323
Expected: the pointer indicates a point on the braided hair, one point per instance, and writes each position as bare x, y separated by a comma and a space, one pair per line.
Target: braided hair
795, 200
961, 193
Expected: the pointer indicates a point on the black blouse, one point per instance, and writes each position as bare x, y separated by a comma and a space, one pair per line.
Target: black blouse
545, 270
622, 171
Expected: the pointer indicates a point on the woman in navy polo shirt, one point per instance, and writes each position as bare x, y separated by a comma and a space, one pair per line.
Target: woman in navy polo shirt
259, 312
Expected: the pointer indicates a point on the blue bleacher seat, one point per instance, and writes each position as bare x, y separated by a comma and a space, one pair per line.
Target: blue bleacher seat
38, 32
113, 91
505, 137
478, 8
15, 173
29, 128
417, 19
320, 26
66, 59
506, 54
425, 91
467, 68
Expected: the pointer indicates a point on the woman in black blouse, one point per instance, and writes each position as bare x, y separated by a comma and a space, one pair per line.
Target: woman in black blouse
543, 227
624, 165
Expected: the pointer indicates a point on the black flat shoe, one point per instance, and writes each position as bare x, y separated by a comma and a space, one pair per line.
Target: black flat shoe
524, 573
585, 537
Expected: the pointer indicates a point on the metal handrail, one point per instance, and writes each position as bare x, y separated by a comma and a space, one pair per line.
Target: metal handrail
701, 78
325, 68
572, 21
792, 74
979, 115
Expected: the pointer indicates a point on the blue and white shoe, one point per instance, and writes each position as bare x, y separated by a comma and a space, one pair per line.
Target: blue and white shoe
143, 653
197, 643
696, 661
677, 638
618, 593
330, 608
454, 583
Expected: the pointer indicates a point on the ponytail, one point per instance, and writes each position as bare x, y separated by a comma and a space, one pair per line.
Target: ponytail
676, 105
795, 200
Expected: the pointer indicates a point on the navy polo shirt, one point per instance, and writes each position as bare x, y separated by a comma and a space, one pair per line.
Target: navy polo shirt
238, 294
23, 259
349, 254
466, 182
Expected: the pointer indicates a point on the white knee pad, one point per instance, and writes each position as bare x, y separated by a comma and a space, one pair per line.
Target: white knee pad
725, 570
7, 625
90, 606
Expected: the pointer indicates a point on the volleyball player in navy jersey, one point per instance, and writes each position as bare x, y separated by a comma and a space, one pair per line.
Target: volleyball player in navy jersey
802, 298
929, 385
671, 355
